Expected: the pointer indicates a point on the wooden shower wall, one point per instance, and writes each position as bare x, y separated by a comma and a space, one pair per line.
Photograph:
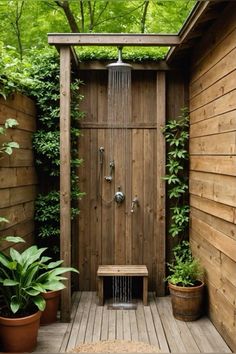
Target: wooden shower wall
109, 233
213, 168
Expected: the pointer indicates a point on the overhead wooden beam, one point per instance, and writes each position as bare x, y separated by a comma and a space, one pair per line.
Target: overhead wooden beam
65, 183
102, 65
113, 39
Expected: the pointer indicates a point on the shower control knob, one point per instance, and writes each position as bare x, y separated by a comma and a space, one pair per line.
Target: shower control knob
119, 197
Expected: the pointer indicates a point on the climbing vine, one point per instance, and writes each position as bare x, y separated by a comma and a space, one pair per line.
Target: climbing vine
176, 133
47, 151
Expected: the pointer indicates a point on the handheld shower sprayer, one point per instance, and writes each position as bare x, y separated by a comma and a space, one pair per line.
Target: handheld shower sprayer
101, 154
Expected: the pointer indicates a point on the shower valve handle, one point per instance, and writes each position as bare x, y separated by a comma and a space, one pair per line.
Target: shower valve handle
135, 203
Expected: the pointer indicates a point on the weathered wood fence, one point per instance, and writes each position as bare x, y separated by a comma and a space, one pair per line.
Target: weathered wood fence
18, 181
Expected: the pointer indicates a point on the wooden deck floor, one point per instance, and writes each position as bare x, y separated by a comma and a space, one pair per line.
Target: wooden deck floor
153, 324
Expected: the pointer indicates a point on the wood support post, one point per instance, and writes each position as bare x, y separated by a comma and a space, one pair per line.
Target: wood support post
161, 195
65, 176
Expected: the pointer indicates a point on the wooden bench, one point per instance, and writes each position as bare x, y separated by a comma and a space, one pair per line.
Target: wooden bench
122, 270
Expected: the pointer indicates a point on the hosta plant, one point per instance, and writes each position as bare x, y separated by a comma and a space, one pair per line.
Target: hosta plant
24, 277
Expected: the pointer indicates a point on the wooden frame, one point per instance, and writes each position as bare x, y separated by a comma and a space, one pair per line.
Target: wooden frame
63, 42
113, 39
65, 183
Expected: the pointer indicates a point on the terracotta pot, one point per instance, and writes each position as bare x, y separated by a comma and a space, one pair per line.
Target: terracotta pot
18, 335
49, 315
187, 302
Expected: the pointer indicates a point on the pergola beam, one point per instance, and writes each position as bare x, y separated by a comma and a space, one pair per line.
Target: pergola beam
113, 39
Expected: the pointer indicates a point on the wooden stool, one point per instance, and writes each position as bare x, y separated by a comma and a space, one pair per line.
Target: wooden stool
122, 270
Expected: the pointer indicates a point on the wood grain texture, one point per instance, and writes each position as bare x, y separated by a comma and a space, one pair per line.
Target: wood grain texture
65, 212
18, 179
212, 170
110, 233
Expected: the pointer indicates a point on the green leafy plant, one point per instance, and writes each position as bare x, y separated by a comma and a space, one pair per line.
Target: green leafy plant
185, 270
177, 135
24, 276
45, 70
8, 146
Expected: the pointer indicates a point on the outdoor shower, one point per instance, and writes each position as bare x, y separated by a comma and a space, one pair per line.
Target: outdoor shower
119, 118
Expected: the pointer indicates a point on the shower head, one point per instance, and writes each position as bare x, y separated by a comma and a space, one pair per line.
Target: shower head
119, 64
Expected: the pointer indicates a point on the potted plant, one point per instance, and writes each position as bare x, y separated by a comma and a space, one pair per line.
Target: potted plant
23, 278
185, 284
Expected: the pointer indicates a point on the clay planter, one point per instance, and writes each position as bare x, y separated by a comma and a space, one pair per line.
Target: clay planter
49, 315
18, 335
187, 302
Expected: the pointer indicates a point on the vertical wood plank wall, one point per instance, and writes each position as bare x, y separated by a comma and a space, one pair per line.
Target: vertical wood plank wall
108, 233
18, 181
213, 168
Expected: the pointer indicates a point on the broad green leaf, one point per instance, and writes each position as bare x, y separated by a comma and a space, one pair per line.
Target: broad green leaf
10, 282
15, 304
14, 239
39, 302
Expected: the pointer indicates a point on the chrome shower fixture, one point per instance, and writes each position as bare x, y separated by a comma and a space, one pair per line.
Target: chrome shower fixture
120, 65
119, 196
112, 167
101, 154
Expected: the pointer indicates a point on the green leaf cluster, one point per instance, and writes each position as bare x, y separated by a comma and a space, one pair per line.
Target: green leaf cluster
25, 276
176, 133
14, 72
8, 146
185, 270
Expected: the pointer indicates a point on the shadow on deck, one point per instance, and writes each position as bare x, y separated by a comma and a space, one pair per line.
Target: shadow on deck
153, 324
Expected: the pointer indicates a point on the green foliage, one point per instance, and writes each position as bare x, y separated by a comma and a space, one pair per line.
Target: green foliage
14, 73
185, 270
24, 276
46, 143
177, 135
8, 146
133, 54
111, 16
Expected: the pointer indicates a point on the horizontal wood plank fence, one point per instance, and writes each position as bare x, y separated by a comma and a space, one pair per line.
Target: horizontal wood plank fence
213, 168
18, 180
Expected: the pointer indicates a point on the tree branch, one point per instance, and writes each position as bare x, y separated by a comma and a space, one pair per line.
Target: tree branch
144, 16
69, 15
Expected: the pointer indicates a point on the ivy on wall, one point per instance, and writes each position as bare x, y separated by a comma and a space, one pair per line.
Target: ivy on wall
45, 71
176, 133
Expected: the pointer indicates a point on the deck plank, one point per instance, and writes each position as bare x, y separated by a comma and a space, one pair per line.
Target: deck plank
75, 324
112, 324
142, 329
126, 325
152, 324
216, 341
119, 324
158, 325
91, 320
97, 324
172, 333
133, 325
104, 329
83, 326
184, 332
